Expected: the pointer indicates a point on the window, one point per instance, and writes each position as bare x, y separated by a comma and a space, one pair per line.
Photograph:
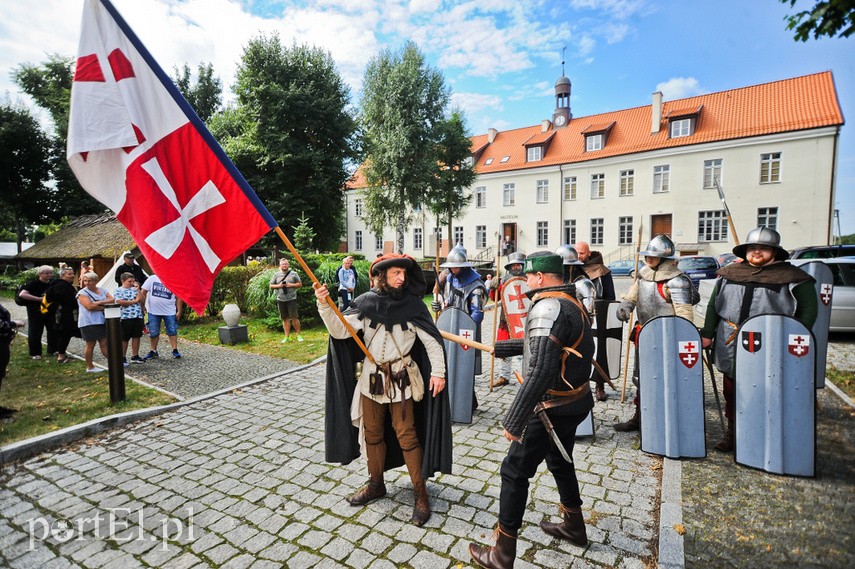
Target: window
508, 194
542, 233
488, 161
712, 172
625, 230
768, 216
481, 236
661, 179
770, 168
627, 182
358, 239
569, 231
570, 189
712, 226
378, 242
481, 196
504, 159
534, 154
597, 231
598, 186
543, 191
681, 127
458, 234
593, 142
417, 238
357, 206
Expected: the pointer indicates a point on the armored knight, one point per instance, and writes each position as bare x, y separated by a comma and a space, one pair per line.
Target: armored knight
662, 289
763, 284
513, 268
541, 422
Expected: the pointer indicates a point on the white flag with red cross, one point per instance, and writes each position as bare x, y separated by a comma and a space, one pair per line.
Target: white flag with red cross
137, 146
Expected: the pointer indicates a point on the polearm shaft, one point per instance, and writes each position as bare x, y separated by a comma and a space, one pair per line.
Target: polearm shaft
631, 323
726, 210
436, 270
496, 305
316, 283
465, 341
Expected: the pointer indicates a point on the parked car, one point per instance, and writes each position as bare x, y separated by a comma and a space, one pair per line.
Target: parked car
726, 258
624, 268
823, 252
698, 267
843, 299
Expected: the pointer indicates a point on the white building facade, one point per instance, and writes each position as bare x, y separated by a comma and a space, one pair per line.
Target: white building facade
652, 169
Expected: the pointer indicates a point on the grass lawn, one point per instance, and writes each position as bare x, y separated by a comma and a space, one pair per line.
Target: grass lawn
843, 379
262, 340
50, 396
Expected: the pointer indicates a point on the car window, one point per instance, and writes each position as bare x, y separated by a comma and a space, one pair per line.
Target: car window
698, 264
843, 273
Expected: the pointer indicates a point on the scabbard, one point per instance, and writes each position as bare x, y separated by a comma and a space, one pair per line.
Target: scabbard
547, 424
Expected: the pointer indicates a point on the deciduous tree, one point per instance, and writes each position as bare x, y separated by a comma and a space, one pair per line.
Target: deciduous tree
205, 95
827, 18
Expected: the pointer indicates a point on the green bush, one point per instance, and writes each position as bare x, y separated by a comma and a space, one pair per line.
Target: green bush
11, 278
231, 286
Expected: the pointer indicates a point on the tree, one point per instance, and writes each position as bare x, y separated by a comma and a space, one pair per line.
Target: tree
49, 84
24, 170
448, 197
303, 234
402, 103
206, 95
291, 134
830, 18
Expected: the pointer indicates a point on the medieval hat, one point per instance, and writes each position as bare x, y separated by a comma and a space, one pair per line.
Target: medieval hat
660, 246
456, 258
515, 259
544, 262
762, 236
415, 277
569, 254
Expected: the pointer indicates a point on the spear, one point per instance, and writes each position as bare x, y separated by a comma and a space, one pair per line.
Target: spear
496, 306
631, 323
436, 270
315, 284
726, 210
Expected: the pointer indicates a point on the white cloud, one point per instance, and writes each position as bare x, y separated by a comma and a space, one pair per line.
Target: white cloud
679, 88
471, 103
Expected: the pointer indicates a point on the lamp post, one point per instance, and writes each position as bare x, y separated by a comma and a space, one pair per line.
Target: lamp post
115, 357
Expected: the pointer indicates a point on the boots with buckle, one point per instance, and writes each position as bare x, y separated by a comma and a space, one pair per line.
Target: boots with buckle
633, 424
726, 444
501, 555
374, 490
421, 507
571, 528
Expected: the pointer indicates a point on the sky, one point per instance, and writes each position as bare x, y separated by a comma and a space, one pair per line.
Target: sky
500, 59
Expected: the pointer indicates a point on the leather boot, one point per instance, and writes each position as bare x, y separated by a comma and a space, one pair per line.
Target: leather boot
368, 493
726, 444
600, 392
501, 555
421, 506
501, 381
633, 424
572, 528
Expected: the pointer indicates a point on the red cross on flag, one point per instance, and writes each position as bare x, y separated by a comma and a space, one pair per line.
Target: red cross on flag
137, 146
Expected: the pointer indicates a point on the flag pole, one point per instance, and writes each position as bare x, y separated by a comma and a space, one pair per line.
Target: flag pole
726, 210
315, 284
631, 323
496, 306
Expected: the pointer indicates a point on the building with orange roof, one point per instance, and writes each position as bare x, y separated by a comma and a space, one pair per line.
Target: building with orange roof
601, 178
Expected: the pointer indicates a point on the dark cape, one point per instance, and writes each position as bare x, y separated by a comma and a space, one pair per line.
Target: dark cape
778, 272
432, 414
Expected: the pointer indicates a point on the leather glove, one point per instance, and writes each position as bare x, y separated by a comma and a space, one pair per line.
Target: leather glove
624, 311
435, 306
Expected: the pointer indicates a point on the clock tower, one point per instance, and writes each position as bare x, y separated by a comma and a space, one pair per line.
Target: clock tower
562, 114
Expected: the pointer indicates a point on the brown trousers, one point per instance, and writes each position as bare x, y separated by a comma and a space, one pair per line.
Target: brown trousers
374, 416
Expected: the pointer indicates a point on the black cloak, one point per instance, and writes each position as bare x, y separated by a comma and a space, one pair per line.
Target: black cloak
432, 414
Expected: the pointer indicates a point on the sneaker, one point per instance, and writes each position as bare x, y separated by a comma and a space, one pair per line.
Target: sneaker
125, 362
35, 357
151, 355
299, 338
94, 370
137, 360
176, 354
285, 339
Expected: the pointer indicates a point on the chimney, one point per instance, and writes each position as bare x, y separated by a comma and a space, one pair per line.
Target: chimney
545, 125
491, 135
656, 112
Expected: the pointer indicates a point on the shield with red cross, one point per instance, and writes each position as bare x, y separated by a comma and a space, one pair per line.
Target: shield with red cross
515, 305
689, 353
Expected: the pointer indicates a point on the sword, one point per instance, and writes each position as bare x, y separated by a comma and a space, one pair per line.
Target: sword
540, 411
714, 387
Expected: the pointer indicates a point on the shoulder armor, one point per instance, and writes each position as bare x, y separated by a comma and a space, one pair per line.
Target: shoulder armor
682, 290
586, 293
542, 316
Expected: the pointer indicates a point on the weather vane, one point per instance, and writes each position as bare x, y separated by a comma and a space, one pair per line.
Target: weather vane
563, 49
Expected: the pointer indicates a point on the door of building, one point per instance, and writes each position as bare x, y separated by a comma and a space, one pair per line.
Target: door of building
660, 224
509, 235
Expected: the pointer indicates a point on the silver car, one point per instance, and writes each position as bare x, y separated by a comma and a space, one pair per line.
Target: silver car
843, 301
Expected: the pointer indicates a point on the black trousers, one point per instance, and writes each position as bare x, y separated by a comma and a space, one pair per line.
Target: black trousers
4, 358
37, 323
523, 459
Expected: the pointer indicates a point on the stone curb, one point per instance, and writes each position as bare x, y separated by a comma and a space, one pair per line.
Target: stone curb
30, 447
671, 555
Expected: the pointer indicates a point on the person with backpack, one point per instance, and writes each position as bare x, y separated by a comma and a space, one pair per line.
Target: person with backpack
30, 295
62, 314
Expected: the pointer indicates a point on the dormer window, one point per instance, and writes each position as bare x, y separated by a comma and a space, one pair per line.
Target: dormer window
534, 154
681, 127
682, 122
593, 142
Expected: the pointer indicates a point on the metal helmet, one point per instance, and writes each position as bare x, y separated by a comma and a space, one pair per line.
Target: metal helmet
456, 258
762, 236
569, 254
660, 246
515, 258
